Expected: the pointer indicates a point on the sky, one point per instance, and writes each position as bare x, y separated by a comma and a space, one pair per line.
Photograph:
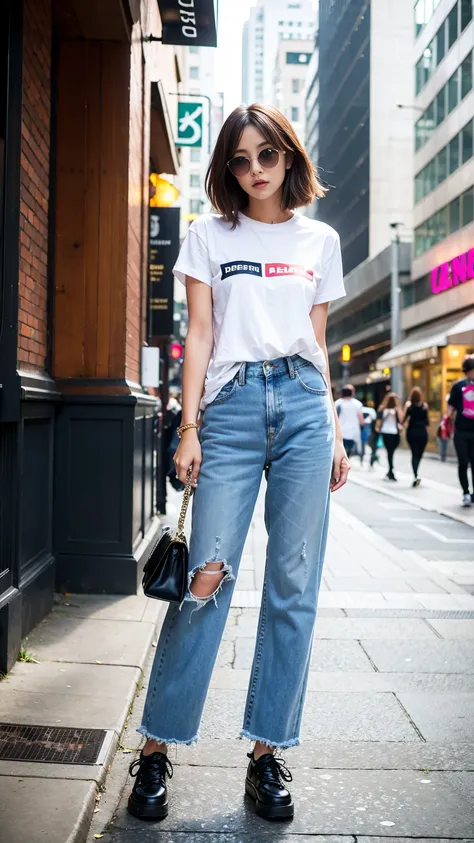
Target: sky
232, 15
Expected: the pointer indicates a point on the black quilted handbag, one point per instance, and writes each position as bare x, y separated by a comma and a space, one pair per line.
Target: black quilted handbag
165, 575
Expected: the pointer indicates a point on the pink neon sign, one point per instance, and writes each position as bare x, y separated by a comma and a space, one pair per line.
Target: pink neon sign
453, 272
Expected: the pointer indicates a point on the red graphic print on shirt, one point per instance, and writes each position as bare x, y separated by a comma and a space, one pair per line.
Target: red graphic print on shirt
287, 269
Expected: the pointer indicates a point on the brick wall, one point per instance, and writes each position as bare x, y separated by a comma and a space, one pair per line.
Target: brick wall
34, 191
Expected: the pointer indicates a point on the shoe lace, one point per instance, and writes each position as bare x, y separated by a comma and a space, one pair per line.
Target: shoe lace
157, 767
273, 770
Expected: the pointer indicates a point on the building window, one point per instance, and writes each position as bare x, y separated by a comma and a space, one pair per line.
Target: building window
194, 72
466, 143
294, 113
298, 58
447, 161
446, 221
466, 76
295, 86
452, 26
453, 155
194, 180
449, 31
193, 50
195, 155
466, 13
467, 200
457, 87
455, 215
195, 206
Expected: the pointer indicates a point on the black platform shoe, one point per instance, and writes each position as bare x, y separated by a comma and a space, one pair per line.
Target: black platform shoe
265, 785
149, 799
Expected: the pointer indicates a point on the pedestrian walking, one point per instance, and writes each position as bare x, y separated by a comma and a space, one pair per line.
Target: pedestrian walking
259, 278
369, 415
389, 425
444, 434
417, 421
461, 403
351, 420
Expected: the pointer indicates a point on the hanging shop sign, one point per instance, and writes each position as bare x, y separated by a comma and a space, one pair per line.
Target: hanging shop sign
163, 248
189, 123
188, 22
453, 272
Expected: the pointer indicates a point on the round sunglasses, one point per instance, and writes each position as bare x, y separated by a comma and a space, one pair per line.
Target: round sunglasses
267, 158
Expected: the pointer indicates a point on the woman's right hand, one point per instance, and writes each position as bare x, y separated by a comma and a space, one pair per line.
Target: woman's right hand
188, 453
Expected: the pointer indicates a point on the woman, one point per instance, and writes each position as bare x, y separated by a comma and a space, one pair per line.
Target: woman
259, 278
389, 426
416, 418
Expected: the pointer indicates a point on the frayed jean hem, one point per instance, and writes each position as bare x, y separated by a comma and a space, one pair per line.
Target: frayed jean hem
266, 742
150, 737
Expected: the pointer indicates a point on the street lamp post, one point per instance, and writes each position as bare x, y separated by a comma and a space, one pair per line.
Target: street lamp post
395, 332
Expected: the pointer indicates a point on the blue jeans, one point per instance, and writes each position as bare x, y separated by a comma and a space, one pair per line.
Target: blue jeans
274, 416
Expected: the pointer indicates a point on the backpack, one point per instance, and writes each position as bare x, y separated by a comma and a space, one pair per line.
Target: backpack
468, 399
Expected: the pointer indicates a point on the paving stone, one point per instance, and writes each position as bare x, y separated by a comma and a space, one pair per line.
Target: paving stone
360, 628
430, 656
226, 654
115, 607
369, 584
327, 655
442, 716
337, 716
50, 811
70, 639
454, 628
360, 681
454, 756
97, 712
65, 678
341, 802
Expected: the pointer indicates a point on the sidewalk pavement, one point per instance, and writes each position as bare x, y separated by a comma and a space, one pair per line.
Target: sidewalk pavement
91, 651
387, 750
439, 490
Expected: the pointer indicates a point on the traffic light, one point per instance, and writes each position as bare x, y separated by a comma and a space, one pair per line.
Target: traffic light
346, 354
176, 351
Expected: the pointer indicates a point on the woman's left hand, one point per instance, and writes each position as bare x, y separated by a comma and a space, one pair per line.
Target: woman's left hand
340, 467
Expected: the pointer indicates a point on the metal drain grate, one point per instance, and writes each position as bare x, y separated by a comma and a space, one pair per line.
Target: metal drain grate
447, 614
50, 744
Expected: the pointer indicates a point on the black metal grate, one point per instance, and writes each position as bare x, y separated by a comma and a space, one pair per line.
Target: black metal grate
50, 744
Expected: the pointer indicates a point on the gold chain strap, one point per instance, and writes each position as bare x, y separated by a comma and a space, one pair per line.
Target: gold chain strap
185, 503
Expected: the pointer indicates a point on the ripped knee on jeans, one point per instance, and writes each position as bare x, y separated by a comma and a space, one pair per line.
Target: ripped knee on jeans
206, 580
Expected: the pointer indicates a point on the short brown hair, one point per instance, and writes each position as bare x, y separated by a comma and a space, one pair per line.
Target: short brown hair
301, 185
416, 395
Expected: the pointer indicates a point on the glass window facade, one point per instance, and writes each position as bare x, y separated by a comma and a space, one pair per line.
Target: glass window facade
423, 12
194, 180
450, 30
457, 152
456, 88
446, 221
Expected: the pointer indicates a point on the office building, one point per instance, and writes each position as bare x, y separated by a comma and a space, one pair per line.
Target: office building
363, 145
438, 305
289, 80
271, 21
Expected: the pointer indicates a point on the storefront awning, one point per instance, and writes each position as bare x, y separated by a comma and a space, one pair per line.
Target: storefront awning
423, 344
162, 143
189, 22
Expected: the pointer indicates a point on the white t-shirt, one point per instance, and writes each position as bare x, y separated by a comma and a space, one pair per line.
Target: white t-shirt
390, 422
265, 280
348, 410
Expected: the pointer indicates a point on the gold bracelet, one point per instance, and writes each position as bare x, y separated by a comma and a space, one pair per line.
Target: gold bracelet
186, 427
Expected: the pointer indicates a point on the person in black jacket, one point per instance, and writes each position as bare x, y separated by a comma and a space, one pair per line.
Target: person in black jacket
416, 418
461, 403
